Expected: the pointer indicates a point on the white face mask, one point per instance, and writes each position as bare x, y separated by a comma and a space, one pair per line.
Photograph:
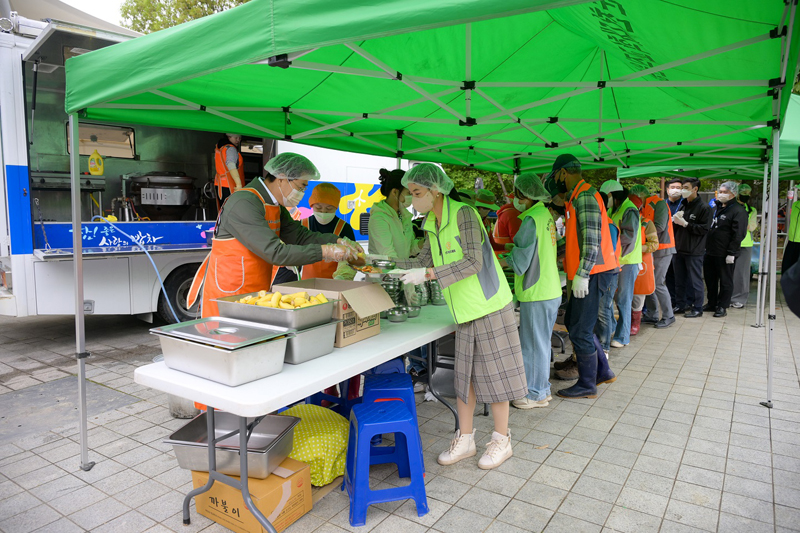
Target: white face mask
519, 206
424, 204
406, 202
324, 218
294, 197
674, 194
724, 197
686, 193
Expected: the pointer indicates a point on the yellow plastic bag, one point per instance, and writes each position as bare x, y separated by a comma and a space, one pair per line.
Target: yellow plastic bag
320, 440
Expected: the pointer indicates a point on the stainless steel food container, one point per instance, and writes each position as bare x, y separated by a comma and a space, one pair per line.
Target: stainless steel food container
413, 311
306, 317
224, 350
396, 314
311, 343
270, 443
384, 264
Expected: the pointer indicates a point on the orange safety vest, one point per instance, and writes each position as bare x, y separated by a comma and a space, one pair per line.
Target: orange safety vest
322, 269
645, 283
231, 268
649, 212
223, 178
607, 258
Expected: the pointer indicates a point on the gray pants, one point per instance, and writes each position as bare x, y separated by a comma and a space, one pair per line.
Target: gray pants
741, 277
660, 300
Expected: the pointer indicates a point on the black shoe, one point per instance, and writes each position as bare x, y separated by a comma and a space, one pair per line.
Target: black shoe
665, 322
709, 307
693, 314
720, 312
649, 320
678, 310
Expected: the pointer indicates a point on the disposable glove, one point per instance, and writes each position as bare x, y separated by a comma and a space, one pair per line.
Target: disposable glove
344, 272
415, 276
351, 244
678, 219
580, 287
336, 253
729, 259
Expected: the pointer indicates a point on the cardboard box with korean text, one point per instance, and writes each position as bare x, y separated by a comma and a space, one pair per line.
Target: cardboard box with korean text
282, 498
359, 305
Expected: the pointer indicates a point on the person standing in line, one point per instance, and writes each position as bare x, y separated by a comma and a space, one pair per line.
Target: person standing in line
673, 202
659, 304
589, 260
647, 284
741, 272
723, 247
536, 285
692, 222
507, 225
791, 254
626, 216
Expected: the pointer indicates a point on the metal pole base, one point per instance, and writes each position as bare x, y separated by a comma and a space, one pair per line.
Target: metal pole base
768, 405
756, 325
88, 466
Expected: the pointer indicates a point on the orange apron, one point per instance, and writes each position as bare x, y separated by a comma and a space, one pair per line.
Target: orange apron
223, 178
645, 283
322, 269
231, 268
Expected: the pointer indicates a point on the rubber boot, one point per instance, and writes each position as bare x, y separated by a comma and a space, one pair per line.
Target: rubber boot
636, 321
587, 375
604, 373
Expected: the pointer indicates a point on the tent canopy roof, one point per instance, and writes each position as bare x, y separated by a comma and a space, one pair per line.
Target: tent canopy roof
500, 86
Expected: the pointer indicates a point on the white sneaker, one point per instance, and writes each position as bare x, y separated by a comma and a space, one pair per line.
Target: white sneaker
497, 451
737, 305
461, 447
419, 387
527, 403
617, 344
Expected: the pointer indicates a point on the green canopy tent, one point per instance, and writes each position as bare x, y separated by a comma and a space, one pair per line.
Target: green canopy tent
501, 86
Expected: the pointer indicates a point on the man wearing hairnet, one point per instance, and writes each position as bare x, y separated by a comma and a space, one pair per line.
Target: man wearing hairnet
536, 284
741, 271
255, 233
723, 246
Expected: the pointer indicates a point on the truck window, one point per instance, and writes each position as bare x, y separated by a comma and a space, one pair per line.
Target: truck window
109, 141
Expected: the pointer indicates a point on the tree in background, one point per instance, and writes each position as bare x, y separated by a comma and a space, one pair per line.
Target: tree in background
147, 16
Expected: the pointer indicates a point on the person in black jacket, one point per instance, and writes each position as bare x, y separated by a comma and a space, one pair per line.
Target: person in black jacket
723, 247
691, 224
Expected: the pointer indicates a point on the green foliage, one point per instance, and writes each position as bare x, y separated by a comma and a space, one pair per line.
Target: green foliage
147, 16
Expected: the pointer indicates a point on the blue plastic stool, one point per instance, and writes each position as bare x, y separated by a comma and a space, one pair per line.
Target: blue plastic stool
383, 387
370, 419
342, 404
389, 367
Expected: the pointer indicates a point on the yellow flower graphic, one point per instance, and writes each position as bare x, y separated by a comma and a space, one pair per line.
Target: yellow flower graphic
359, 202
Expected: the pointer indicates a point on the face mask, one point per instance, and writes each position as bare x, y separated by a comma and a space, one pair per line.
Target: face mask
405, 203
519, 206
723, 197
562, 185
324, 218
559, 209
686, 193
674, 194
483, 212
423, 205
744, 198
294, 197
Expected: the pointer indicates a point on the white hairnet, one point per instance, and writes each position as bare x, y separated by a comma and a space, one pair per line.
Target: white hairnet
429, 175
532, 187
745, 189
292, 167
732, 186
641, 191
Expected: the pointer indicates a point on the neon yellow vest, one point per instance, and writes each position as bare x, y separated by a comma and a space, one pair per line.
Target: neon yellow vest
635, 256
541, 279
477, 295
794, 224
747, 242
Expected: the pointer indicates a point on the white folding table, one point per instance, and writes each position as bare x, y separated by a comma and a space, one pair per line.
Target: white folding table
292, 385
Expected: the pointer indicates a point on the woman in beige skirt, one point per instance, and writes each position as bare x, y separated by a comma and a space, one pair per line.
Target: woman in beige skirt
488, 360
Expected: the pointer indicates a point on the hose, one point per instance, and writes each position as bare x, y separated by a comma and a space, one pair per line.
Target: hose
140, 245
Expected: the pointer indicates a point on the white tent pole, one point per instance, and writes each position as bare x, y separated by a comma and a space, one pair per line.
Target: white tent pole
77, 259
773, 262
399, 146
600, 107
762, 246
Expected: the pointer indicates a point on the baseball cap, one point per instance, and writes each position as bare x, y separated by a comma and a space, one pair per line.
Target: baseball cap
568, 161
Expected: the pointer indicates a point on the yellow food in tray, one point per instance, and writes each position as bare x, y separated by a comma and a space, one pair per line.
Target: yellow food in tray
277, 300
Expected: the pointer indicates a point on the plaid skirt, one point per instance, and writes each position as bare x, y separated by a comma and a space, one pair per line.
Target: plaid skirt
489, 355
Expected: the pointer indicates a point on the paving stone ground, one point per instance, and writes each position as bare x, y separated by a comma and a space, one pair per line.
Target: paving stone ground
678, 443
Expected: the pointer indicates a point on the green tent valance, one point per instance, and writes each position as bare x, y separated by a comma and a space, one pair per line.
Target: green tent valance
502, 86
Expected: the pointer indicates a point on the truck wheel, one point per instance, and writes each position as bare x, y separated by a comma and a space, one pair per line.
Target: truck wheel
177, 286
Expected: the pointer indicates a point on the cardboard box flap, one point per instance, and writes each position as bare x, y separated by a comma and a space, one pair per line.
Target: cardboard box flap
368, 300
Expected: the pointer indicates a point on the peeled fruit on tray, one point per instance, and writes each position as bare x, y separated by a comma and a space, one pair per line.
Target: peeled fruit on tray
277, 300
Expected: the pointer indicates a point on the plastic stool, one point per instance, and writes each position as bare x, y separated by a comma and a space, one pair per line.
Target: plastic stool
370, 419
389, 367
385, 387
342, 404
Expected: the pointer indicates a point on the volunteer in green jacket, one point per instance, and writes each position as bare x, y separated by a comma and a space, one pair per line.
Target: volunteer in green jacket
488, 358
625, 215
536, 284
791, 254
741, 269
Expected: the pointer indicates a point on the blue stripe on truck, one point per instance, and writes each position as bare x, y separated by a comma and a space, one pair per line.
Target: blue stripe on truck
19, 209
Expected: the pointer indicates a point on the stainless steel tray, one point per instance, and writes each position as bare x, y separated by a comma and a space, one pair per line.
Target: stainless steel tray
311, 343
298, 319
269, 444
230, 367
222, 332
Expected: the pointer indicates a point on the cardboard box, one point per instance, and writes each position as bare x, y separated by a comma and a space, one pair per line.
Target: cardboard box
360, 304
283, 498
